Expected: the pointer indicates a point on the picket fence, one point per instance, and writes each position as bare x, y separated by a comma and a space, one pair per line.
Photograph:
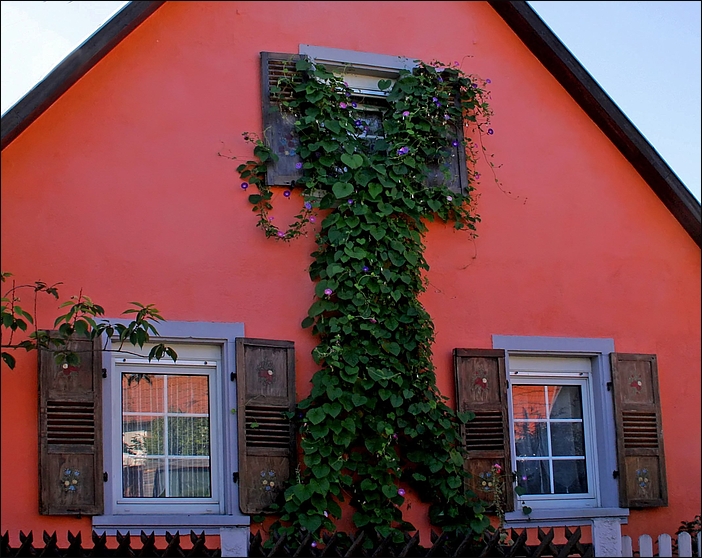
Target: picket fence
666, 548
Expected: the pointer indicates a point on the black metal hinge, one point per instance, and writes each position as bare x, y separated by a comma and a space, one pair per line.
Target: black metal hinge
104, 372
104, 476
615, 474
235, 477
609, 386
232, 376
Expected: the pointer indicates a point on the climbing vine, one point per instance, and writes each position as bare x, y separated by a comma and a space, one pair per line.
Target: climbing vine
375, 423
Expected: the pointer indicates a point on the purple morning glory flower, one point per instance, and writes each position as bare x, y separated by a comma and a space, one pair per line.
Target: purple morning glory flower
366, 269
286, 193
406, 113
373, 321
348, 94
401, 492
354, 105
281, 234
454, 143
343, 105
314, 544
403, 150
440, 79
490, 131
434, 99
447, 117
350, 202
358, 124
271, 219
298, 165
449, 198
244, 185
328, 292
488, 80
477, 175
474, 85
394, 436
312, 219
308, 205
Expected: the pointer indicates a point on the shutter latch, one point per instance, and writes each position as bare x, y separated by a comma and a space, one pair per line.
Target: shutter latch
104, 372
104, 476
232, 376
609, 386
615, 474
235, 477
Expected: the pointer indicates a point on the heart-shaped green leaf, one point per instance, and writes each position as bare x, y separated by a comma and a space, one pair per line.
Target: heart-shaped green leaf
352, 161
342, 190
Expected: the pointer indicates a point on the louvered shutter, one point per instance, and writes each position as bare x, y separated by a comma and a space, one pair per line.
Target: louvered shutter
70, 432
266, 391
481, 387
279, 127
640, 454
454, 162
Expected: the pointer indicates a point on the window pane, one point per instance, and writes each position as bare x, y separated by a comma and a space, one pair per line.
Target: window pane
534, 477
569, 477
567, 438
142, 435
143, 478
142, 393
529, 402
530, 439
188, 436
188, 394
189, 478
565, 402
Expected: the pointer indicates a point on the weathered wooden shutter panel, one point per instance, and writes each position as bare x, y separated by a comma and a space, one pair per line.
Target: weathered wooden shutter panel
640, 453
265, 392
70, 432
481, 387
279, 128
454, 163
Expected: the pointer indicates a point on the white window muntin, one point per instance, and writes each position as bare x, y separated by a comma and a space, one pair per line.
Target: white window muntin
192, 360
558, 370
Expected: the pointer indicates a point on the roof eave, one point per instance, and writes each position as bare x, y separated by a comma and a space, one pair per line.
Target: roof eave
576, 80
72, 68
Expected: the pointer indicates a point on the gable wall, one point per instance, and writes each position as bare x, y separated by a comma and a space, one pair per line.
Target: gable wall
118, 189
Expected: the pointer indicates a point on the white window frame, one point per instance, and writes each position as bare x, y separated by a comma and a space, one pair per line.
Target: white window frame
208, 364
186, 514
573, 371
598, 351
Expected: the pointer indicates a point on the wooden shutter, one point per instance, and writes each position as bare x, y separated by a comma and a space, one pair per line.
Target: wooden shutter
454, 162
70, 432
640, 454
265, 392
481, 387
278, 127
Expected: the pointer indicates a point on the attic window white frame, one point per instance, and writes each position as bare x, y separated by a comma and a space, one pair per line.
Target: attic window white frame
361, 70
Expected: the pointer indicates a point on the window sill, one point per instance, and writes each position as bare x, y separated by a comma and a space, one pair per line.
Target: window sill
563, 516
159, 524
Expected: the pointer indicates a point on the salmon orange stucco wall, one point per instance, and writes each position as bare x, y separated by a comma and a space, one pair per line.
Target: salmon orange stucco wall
119, 189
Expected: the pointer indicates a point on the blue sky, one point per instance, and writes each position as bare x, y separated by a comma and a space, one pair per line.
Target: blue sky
645, 54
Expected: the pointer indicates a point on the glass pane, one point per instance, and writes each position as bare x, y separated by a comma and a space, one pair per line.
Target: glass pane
189, 436
529, 402
530, 439
142, 478
565, 402
533, 476
142, 436
188, 394
567, 438
142, 393
569, 477
189, 478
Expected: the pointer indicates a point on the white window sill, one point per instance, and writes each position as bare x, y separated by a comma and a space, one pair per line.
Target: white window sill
159, 524
563, 516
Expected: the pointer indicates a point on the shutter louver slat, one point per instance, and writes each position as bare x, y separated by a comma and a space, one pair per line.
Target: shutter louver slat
481, 387
265, 393
640, 452
70, 432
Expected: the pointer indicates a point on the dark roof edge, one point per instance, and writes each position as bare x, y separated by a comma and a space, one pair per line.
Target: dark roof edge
559, 61
72, 68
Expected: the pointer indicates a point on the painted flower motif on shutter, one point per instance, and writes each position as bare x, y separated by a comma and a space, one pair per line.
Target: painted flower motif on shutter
635, 382
268, 480
69, 480
643, 479
265, 372
486, 481
480, 380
